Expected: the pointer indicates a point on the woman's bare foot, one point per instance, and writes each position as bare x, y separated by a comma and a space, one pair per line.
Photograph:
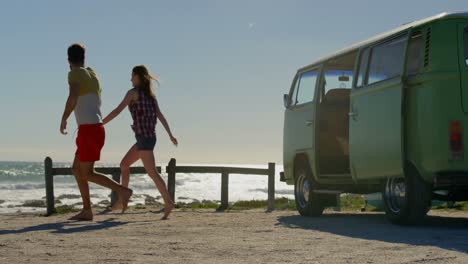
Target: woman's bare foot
120, 204
84, 215
167, 210
125, 196
117, 205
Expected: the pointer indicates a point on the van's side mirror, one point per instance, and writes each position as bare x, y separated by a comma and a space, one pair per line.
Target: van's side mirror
286, 100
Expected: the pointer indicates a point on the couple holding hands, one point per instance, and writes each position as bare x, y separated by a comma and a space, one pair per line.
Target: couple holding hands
84, 100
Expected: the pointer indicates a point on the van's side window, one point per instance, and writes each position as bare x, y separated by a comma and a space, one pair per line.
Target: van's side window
465, 45
305, 88
363, 62
386, 60
415, 54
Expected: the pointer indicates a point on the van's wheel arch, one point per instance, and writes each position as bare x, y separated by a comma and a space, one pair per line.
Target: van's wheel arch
308, 203
406, 200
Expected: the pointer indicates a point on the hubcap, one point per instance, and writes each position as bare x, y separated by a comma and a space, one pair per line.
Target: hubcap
395, 194
303, 189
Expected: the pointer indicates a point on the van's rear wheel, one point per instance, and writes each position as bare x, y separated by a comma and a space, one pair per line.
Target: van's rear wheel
406, 200
308, 203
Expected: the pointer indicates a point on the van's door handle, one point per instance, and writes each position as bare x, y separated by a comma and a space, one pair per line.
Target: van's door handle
309, 122
353, 115
353, 112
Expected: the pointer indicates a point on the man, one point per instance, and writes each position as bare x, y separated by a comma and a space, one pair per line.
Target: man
85, 100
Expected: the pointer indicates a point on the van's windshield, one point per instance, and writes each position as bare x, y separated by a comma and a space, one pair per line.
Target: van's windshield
339, 72
338, 79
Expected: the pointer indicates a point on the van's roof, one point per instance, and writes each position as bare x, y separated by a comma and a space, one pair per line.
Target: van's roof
403, 27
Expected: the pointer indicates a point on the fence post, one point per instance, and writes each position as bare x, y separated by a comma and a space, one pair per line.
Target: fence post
114, 196
49, 185
338, 203
224, 191
271, 187
171, 175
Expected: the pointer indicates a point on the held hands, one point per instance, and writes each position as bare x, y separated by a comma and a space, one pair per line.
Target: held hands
63, 127
174, 140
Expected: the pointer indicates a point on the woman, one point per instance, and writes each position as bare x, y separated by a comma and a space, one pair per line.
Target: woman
144, 108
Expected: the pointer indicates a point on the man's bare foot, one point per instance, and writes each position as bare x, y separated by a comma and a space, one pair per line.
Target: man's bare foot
84, 215
125, 196
167, 210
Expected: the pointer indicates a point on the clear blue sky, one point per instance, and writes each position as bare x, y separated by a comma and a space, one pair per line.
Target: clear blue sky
224, 67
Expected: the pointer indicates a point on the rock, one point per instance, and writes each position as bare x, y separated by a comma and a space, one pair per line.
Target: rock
69, 196
104, 203
179, 182
2, 201
151, 201
34, 203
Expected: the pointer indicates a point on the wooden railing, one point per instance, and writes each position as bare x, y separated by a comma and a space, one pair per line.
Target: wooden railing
172, 169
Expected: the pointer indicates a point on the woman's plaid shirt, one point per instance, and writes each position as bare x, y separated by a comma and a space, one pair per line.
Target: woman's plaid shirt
144, 113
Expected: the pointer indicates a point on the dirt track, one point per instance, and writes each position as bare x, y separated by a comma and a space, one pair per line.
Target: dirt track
204, 236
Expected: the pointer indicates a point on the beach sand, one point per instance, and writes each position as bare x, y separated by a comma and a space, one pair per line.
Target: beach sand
252, 236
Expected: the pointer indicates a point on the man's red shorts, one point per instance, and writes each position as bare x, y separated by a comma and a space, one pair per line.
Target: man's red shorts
89, 142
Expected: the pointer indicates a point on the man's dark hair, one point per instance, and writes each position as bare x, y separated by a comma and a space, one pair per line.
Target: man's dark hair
76, 53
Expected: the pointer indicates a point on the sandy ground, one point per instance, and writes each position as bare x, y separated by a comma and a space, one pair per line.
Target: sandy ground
204, 236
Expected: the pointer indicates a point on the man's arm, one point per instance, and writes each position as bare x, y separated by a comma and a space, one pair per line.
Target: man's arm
69, 106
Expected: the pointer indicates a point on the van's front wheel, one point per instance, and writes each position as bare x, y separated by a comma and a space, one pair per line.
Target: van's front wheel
307, 202
406, 200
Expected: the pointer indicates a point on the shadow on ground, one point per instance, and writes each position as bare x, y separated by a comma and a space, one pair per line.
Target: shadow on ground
67, 227
444, 232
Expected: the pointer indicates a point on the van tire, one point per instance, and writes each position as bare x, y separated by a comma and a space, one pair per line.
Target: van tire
308, 203
413, 207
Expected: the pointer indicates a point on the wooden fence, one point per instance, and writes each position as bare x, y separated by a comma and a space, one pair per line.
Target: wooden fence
172, 169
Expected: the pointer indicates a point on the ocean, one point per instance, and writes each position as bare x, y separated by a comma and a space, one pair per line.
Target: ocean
22, 187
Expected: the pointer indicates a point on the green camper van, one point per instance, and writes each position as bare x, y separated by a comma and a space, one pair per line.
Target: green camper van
389, 115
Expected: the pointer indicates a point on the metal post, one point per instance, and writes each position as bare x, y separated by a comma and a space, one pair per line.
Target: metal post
224, 191
49, 185
171, 176
271, 187
338, 203
114, 196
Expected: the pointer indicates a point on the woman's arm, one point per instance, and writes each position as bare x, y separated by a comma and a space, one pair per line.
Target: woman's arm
165, 124
129, 97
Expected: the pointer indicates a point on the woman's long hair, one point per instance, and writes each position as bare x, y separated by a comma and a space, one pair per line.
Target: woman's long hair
146, 79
